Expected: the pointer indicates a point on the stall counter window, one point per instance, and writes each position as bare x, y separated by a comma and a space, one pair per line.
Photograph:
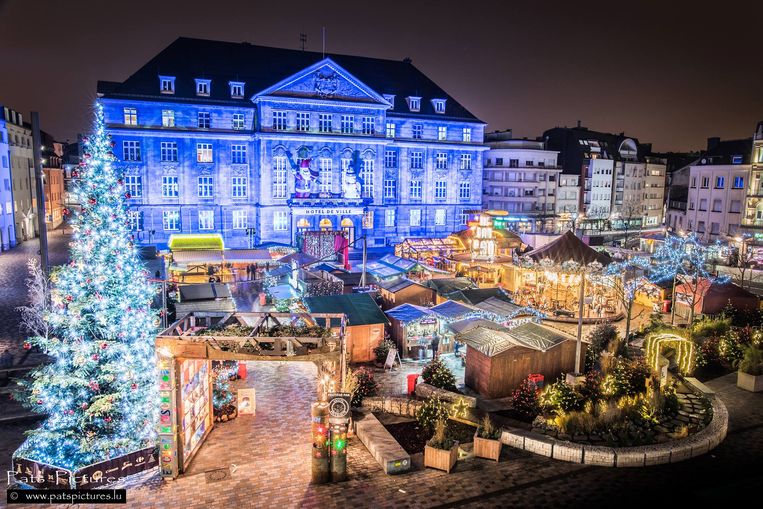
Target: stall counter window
195, 406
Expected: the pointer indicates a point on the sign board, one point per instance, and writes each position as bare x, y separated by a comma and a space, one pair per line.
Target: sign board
247, 403
330, 211
167, 436
339, 405
390, 361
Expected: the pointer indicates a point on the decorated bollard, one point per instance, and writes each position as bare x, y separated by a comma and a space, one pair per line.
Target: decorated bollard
319, 413
339, 418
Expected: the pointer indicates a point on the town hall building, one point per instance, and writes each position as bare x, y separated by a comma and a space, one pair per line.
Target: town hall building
261, 144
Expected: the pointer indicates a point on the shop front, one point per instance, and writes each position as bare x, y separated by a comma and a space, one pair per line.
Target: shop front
414, 329
347, 220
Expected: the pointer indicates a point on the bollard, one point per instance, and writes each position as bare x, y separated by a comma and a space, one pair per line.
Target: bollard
339, 450
319, 413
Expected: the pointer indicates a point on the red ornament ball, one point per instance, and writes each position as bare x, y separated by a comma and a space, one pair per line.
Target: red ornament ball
104, 346
69, 298
83, 406
133, 386
70, 412
39, 402
107, 419
127, 196
92, 201
95, 357
27, 345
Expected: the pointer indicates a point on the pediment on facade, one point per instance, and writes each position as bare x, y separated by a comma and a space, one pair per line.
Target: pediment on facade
325, 80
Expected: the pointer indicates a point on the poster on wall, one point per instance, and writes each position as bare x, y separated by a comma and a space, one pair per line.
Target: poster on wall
247, 403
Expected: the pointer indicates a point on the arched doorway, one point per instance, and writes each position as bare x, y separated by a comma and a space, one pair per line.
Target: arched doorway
349, 228
303, 225
325, 224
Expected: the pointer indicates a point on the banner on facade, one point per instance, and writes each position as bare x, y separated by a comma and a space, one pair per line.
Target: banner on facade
329, 211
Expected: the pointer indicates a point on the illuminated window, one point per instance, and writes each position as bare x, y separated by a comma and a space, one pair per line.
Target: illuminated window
738, 182
325, 171
439, 217
236, 89
167, 84
390, 188
279, 177
205, 187
168, 118
415, 189
169, 186
367, 176
440, 190
368, 219
389, 217
280, 221
239, 220
168, 151
131, 116
203, 152
442, 133
171, 220
441, 161
238, 121
415, 217
206, 220
466, 161
466, 134
390, 129
135, 220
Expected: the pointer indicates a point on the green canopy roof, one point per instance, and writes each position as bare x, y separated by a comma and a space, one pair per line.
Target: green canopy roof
210, 241
360, 308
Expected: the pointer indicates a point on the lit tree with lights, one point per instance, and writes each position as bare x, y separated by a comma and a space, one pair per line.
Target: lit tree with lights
99, 392
630, 276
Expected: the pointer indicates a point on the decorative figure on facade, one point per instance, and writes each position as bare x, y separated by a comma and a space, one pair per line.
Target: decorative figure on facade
351, 185
305, 177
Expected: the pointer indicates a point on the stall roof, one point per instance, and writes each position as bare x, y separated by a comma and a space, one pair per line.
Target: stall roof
447, 285
193, 241
401, 263
283, 292
360, 308
501, 307
248, 256
204, 291
396, 285
475, 321
353, 278
529, 335
408, 312
712, 297
452, 309
300, 257
567, 248
197, 256
476, 295
383, 271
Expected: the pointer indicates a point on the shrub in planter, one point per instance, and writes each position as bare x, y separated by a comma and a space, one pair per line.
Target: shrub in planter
432, 412
436, 373
561, 397
486, 443
576, 423
752, 362
382, 350
441, 450
524, 399
366, 386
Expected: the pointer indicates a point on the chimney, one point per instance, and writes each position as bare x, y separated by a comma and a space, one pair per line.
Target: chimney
712, 143
578, 124
407, 60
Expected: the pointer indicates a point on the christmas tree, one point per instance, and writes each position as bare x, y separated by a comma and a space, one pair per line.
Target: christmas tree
99, 393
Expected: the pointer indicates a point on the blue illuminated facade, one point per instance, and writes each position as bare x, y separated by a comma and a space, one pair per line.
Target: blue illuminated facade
260, 144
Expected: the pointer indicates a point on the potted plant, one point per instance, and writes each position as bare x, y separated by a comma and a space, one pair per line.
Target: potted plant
486, 443
441, 451
750, 375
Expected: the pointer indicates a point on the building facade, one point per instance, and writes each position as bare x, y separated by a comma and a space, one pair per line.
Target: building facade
521, 177
293, 142
7, 222
22, 175
53, 185
752, 224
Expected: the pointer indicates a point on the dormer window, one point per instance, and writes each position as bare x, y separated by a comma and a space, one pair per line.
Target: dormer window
203, 87
414, 103
439, 105
167, 84
390, 99
236, 89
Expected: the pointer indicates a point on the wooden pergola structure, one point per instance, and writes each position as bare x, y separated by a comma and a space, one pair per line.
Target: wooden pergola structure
186, 349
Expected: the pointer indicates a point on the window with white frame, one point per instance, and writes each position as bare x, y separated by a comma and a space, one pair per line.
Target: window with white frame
238, 154
418, 131
168, 118
367, 176
239, 220
368, 125
167, 84
135, 220
414, 217
168, 151
463, 217
390, 188
131, 116
442, 133
390, 129
279, 177
238, 187
131, 151
368, 219
134, 185
206, 220
440, 190
171, 220
414, 103
441, 161
325, 174
238, 121
466, 161
204, 120
417, 159
389, 217
466, 134
465, 190
439, 217
280, 221
279, 120
205, 186
169, 186
204, 153
439, 105
325, 122
415, 189
348, 124
390, 158
303, 121
203, 87
236, 89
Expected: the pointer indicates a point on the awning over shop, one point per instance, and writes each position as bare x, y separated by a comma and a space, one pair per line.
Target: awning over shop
196, 241
256, 256
197, 256
407, 313
452, 310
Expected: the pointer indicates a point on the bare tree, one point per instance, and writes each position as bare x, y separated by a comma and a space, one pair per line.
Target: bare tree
34, 315
632, 208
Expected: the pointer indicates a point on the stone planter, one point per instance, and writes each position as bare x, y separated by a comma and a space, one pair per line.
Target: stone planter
752, 383
441, 459
487, 448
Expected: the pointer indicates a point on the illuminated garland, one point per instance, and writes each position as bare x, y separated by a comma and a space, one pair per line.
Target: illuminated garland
684, 348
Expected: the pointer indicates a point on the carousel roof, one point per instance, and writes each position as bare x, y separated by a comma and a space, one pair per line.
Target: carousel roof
569, 248
529, 335
408, 312
452, 309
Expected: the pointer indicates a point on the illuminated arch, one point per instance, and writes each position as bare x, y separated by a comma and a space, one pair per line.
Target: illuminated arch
347, 223
303, 223
659, 341
326, 223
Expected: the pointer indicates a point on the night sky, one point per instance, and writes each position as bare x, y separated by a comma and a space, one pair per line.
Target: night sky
668, 72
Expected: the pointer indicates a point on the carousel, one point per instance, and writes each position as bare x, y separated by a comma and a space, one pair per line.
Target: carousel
565, 278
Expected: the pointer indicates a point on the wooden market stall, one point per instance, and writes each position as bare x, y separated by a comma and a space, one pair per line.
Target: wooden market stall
498, 360
447, 285
448, 312
711, 297
405, 291
413, 328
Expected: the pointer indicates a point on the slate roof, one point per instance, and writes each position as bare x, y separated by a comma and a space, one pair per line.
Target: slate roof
408, 312
261, 67
360, 308
566, 248
529, 335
